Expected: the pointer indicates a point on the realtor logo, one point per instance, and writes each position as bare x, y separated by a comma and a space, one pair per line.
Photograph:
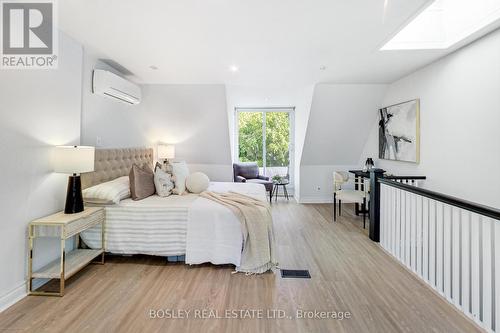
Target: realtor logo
28, 35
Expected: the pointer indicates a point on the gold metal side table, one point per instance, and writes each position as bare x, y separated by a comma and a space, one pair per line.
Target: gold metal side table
64, 226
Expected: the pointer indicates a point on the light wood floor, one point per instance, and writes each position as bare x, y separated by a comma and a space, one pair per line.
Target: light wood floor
349, 273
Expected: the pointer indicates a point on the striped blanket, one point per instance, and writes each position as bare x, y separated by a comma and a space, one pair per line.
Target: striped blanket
153, 226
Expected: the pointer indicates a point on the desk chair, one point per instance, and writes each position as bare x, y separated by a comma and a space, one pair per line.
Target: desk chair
340, 180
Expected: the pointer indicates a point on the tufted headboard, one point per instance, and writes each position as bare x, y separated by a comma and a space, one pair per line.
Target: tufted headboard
113, 163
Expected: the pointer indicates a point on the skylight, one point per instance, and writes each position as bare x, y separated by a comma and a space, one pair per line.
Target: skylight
445, 23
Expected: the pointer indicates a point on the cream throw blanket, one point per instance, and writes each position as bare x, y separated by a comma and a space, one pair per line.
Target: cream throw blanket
258, 254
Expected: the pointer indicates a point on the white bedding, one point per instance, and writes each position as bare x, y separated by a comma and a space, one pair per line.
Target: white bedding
214, 233
199, 228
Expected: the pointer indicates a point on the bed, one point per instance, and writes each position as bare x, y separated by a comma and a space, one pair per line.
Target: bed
200, 229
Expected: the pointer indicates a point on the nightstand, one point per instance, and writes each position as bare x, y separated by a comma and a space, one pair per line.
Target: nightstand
64, 226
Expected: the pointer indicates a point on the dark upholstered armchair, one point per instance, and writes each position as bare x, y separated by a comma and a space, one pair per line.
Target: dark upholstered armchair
248, 172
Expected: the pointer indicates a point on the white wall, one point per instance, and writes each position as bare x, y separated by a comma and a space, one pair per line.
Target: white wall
338, 127
38, 109
193, 117
460, 118
271, 96
104, 121
317, 182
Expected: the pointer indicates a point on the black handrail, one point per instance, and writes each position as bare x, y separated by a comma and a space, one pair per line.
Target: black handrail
494, 213
406, 177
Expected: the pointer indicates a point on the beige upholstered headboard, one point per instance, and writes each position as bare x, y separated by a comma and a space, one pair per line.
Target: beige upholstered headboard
113, 163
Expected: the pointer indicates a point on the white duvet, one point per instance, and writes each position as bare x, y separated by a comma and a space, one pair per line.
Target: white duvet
213, 231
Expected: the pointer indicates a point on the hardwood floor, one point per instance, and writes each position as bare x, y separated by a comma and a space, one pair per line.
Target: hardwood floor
349, 273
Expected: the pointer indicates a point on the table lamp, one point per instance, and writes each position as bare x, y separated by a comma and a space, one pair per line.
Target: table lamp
166, 152
74, 160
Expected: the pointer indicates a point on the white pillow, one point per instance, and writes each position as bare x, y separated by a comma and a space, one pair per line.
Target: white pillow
197, 182
108, 192
163, 183
180, 172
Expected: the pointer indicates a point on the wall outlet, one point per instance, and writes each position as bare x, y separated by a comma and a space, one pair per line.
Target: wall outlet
318, 188
98, 141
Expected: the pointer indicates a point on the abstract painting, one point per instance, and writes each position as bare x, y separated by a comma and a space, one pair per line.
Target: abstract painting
399, 127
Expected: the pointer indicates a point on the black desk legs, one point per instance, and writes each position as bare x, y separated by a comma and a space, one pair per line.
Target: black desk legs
334, 206
356, 187
364, 212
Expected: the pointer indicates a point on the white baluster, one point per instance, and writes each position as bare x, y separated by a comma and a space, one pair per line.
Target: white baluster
439, 247
466, 234
418, 244
398, 223
407, 229
425, 239
496, 242
447, 230
475, 273
432, 243
487, 233
455, 241
393, 220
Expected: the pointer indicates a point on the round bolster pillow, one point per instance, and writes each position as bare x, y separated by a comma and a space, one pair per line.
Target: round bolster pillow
197, 182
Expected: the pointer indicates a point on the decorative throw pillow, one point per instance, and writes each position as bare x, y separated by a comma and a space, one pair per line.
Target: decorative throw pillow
163, 183
108, 193
197, 182
166, 167
180, 172
141, 182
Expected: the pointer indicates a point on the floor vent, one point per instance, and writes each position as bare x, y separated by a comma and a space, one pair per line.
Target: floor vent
295, 273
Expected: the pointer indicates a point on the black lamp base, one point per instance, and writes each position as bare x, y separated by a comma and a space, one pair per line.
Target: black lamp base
74, 197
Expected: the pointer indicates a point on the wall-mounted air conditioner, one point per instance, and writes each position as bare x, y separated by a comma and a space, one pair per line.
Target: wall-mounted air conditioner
108, 84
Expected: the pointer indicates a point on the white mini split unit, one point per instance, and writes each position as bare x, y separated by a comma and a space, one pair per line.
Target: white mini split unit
108, 84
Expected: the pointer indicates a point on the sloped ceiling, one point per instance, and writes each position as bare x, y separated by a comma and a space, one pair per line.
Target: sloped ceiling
339, 122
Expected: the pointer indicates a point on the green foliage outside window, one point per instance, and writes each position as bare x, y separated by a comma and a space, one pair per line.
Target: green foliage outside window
277, 138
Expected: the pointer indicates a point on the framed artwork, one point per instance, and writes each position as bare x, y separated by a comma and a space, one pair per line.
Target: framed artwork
399, 132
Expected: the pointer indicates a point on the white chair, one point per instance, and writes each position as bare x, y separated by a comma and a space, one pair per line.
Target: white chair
359, 195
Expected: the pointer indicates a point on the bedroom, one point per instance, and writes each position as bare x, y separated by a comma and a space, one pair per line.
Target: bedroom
326, 69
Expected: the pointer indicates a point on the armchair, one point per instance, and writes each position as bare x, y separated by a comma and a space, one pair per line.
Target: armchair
248, 172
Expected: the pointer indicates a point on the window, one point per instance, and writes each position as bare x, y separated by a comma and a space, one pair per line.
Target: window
265, 136
444, 23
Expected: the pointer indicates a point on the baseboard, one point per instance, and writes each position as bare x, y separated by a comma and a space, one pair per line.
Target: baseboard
18, 293
13, 297
316, 199
319, 199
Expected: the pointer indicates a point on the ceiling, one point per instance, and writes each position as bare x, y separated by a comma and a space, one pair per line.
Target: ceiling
272, 42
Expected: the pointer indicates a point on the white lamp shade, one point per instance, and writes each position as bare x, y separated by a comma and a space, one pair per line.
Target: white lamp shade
73, 159
166, 151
